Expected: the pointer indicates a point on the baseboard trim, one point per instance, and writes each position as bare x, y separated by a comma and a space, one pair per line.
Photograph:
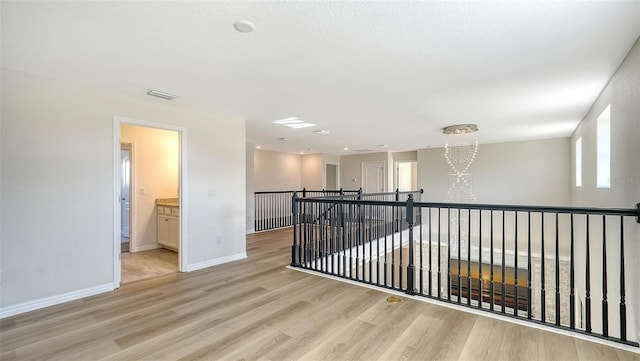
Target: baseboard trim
216, 261
54, 300
144, 248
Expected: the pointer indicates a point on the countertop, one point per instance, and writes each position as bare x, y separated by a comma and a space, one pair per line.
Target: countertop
170, 202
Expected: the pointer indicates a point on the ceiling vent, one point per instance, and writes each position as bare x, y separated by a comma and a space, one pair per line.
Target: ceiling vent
163, 95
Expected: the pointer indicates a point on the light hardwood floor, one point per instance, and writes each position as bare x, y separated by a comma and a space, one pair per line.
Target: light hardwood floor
148, 264
255, 309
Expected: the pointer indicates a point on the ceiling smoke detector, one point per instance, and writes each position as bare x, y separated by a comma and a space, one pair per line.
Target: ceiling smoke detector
244, 26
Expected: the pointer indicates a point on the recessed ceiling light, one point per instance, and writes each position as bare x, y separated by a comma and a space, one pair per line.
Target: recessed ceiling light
290, 120
258, 147
163, 95
244, 26
345, 148
322, 132
383, 146
294, 122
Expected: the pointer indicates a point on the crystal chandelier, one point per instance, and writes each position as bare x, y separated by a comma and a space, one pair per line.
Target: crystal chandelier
461, 147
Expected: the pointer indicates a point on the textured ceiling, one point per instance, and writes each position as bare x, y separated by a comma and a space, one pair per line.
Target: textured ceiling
371, 73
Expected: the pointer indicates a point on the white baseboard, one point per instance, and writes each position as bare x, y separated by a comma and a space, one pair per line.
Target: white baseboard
147, 247
215, 262
54, 300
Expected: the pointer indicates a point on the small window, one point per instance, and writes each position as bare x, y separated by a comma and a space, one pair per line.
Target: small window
579, 162
604, 149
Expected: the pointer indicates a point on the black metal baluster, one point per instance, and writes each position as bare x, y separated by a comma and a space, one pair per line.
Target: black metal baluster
588, 281
439, 282
623, 305
480, 280
449, 255
491, 284
430, 274
400, 266
459, 259
572, 286
469, 294
504, 288
529, 302
543, 299
557, 271
605, 302
515, 268
393, 248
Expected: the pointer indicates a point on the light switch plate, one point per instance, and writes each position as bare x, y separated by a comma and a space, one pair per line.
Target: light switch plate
212, 192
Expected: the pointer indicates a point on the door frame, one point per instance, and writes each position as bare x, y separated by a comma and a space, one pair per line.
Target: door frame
132, 187
182, 184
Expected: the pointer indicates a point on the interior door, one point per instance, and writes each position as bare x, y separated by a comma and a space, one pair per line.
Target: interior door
331, 176
125, 196
373, 177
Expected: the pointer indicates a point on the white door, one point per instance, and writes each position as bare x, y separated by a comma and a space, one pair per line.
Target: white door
373, 177
125, 191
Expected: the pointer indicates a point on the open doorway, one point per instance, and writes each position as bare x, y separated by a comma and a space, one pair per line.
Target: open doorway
331, 176
149, 219
406, 176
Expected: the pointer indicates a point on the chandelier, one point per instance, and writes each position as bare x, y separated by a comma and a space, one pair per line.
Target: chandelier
461, 147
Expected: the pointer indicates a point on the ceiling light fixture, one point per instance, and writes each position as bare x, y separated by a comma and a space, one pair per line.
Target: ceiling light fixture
294, 122
322, 132
163, 95
258, 147
460, 129
244, 26
345, 148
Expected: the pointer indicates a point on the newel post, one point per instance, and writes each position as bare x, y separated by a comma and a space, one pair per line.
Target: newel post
295, 248
411, 289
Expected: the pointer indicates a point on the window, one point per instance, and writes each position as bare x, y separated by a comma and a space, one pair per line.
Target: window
603, 135
579, 162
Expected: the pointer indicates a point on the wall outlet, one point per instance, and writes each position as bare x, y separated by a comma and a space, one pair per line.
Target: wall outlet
218, 239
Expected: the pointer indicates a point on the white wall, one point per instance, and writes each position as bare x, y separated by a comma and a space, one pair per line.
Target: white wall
351, 168
155, 168
623, 94
312, 171
250, 188
58, 185
275, 171
523, 173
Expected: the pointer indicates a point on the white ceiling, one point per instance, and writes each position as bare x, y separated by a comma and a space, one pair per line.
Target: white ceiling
371, 73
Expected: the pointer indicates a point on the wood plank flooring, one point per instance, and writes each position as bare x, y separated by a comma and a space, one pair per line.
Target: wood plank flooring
256, 309
148, 264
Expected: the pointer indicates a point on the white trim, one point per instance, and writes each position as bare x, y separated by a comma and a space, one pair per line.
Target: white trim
133, 239
474, 311
117, 224
182, 184
216, 261
54, 300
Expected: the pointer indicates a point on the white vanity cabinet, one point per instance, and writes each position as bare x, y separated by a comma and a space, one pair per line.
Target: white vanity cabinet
168, 227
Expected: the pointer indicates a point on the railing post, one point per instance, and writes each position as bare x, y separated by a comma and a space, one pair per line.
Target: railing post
411, 289
295, 248
304, 192
397, 195
360, 193
341, 191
